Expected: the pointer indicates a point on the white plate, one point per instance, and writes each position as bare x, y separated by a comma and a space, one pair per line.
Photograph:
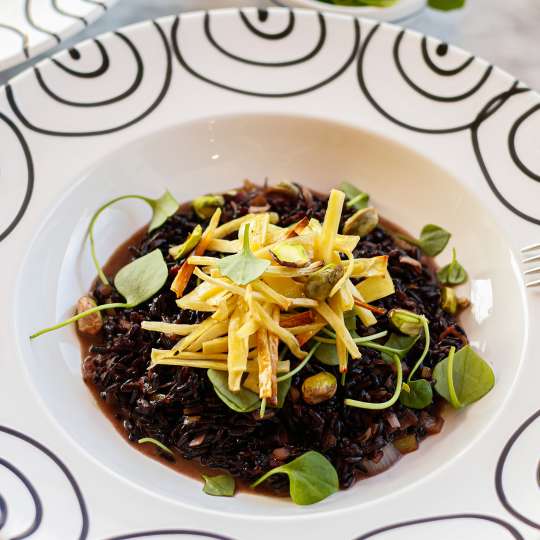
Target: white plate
196, 104
30, 27
398, 12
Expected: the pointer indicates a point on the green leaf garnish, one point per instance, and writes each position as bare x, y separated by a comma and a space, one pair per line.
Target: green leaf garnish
432, 241
416, 394
312, 478
400, 345
384, 404
446, 5
471, 377
162, 208
355, 198
221, 485
243, 267
244, 400
157, 443
453, 273
136, 282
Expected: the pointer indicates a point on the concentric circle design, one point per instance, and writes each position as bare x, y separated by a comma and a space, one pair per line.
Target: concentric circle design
521, 474
25, 453
15, 162
324, 63
440, 527
90, 116
30, 27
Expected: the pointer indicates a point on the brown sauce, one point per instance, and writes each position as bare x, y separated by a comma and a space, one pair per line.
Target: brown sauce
191, 468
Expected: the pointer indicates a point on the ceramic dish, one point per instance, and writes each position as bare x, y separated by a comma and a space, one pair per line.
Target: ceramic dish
30, 27
402, 10
196, 104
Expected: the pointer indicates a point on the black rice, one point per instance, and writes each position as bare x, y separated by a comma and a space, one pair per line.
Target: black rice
179, 407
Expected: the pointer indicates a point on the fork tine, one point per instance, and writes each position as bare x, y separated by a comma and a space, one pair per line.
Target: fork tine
531, 259
533, 283
530, 248
531, 271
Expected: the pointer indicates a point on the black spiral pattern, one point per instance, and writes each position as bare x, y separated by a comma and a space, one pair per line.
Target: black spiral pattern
496, 101
530, 423
36, 522
379, 533
161, 92
74, 21
168, 533
16, 132
229, 85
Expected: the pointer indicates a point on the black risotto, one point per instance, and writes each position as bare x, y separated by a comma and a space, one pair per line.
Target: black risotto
178, 405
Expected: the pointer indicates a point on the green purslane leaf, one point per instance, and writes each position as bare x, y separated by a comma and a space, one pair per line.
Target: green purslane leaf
136, 282
433, 239
400, 345
157, 443
416, 394
222, 485
472, 377
244, 400
453, 273
356, 198
312, 478
162, 208
446, 5
243, 267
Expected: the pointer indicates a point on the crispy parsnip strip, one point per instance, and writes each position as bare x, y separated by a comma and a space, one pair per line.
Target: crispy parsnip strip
197, 260
225, 308
273, 346
221, 345
168, 328
215, 331
184, 343
282, 333
374, 266
341, 348
306, 336
345, 242
251, 366
302, 329
238, 349
285, 286
231, 226
326, 312
186, 270
345, 277
330, 226
265, 364
271, 294
158, 356
375, 288
195, 305
250, 327
224, 246
288, 321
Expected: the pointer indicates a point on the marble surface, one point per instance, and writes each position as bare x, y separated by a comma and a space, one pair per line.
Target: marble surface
506, 33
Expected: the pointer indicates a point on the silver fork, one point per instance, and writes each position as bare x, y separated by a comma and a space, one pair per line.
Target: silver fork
531, 259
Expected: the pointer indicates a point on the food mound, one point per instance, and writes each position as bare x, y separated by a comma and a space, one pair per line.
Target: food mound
280, 337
